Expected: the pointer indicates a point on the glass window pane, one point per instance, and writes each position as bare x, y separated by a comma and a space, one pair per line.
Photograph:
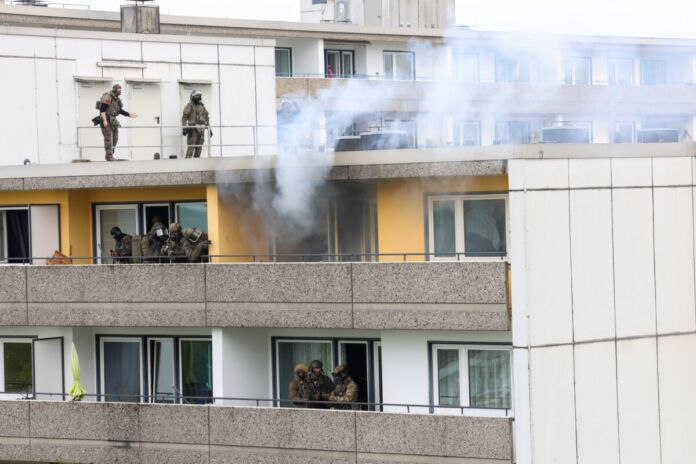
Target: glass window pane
123, 218
332, 65
448, 377
347, 64
582, 71
17, 359
653, 72
3, 237
122, 371
197, 370
404, 66
443, 222
489, 379
162, 370
621, 71
466, 134
484, 227
388, 65
291, 353
192, 215
282, 62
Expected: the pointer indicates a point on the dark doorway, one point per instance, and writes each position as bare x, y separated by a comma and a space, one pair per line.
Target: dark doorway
152, 212
18, 247
354, 355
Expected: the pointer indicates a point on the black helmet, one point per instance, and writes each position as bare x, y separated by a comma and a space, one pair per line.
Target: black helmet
116, 233
316, 364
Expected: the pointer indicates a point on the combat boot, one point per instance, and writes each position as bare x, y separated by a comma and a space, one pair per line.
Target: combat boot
110, 157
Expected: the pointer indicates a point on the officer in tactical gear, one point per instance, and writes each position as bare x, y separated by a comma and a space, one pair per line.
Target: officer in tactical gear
124, 247
110, 106
195, 114
320, 386
152, 245
195, 245
174, 248
298, 388
345, 389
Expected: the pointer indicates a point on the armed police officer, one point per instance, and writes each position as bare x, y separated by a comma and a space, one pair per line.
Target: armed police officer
174, 248
196, 115
123, 250
320, 386
195, 245
110, 107
345, 389
298, 388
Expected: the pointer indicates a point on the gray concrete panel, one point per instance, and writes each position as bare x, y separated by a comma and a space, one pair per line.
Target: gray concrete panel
14, 449
14, 281
117, 314
365, 458
279, 283
406, 170
85, 452
155, 453
429, 283
168, 423
15, 419
116, 283
13, 314
84, 421
307, 315
431, 317
234, 455
430, 435
283, 428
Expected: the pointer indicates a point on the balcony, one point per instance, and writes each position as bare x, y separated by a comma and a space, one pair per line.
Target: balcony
39, 431
427, 295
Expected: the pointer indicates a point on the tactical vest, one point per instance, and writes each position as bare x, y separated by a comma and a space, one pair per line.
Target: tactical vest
196, 115
114, 108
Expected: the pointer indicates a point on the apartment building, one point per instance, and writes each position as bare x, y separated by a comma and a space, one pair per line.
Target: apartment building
371, 199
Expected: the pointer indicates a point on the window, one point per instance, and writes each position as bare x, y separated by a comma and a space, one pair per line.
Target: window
624, 132
473, 376
471, 225
653, 72
567, 132
15, 366
174, 367
192, 215
399, 66
339, 63
124, 217
578, 71
283, 62
512, 132
467, 133
14, 235
289, 353
621, 71
512, 69
466, 67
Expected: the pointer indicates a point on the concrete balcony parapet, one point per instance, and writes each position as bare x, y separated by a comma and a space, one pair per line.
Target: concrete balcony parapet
84, 432
425, 295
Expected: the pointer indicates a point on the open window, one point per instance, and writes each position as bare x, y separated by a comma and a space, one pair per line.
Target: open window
125, 217
473, 376
16, 373
468, 226
15, 241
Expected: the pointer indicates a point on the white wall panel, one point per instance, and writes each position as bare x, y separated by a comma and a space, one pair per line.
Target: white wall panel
672, 171
634, 262
518, 262
13, 45
674, 260
121, 50
548, 267
546, 174
595, 392
265, 96
552, 403
44, 47
264, 56
19, 125
237, 91
522, 424
67, 103
591, 246
156, 51
589, 173
199, 53
677, 377
206, 72
86, 53
47, 111
238, 54
639, 432
631, 172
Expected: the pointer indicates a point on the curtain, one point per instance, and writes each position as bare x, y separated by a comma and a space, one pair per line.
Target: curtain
489, 379
18, 235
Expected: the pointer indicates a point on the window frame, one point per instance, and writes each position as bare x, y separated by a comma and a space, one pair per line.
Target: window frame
393, 54
102, 371
340, 74
14, 339
616, 124
460, 240
516, 76
464, 390
611, 64
289, 53
179, 365
570, 63
643, 62
457, 132
4, 244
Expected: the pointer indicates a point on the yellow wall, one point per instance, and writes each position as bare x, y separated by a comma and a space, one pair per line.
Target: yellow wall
401, 209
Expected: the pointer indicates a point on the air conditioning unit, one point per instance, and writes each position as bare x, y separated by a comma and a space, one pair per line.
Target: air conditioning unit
565, 135
342, 11
664, 135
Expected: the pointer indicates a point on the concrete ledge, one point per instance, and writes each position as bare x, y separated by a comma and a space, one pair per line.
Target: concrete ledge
445, 169
247, 455
15, 449
472, 282
173, 424
15, 419
117, 314
470, 437
84, 452
13, 314
283, 428
14, 281
279, 283
155, 453
431, 317
307, 315
368, 458
84, 421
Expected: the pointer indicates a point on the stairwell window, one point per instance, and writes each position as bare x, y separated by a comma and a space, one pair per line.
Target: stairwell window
467, 226
475, 376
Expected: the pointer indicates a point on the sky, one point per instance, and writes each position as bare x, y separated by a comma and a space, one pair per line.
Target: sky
644, 18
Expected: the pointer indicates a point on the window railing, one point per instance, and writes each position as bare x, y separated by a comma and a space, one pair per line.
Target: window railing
409, 408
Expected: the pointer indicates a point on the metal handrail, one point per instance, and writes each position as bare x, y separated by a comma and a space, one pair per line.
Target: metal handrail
258, 402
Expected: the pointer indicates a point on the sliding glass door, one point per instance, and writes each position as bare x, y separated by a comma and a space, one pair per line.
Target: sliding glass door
121, 369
